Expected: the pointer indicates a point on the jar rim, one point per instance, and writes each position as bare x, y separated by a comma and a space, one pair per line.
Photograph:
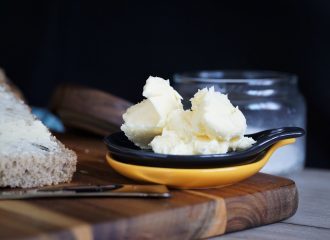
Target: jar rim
252, 77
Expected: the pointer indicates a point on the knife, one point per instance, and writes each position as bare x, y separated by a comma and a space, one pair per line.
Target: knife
112, 190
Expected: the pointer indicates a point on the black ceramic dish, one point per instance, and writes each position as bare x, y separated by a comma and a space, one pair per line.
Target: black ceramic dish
125, 151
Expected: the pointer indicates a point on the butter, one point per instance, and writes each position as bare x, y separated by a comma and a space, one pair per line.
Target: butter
145, 120
212, 125
215, 116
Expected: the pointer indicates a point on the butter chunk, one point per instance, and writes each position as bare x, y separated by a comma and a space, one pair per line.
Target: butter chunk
179, 121
212, 125
215, 116
241, 144
141, 123
156, 86
179, 138
145, 120
171, 143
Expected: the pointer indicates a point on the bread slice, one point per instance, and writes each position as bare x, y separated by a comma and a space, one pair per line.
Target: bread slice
29, 155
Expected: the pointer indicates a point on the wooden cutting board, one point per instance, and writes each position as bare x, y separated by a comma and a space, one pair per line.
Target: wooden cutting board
188, 214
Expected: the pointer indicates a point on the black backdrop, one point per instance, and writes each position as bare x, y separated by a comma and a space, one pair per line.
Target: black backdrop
117, 45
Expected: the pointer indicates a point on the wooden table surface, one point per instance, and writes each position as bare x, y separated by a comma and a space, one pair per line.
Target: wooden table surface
312, 219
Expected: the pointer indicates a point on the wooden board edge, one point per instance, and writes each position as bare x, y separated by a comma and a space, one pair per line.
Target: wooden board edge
284, 201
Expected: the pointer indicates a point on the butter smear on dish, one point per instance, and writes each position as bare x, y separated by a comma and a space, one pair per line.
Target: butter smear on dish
212, 125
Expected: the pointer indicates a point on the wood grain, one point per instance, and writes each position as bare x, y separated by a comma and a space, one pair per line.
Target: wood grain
88, 109
188, 214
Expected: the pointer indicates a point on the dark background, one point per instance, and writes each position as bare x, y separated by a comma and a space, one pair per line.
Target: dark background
117, 45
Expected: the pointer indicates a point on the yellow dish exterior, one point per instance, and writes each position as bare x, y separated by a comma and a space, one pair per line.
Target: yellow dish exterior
194, 178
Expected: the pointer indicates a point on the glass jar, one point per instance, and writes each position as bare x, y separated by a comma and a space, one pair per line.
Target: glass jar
267, 99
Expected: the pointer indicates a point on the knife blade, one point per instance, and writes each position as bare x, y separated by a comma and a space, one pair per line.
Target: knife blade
112, 190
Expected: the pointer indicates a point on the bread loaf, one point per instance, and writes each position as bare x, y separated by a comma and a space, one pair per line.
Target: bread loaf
29, 155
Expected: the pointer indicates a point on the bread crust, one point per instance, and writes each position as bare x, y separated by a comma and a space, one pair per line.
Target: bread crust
38, 166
